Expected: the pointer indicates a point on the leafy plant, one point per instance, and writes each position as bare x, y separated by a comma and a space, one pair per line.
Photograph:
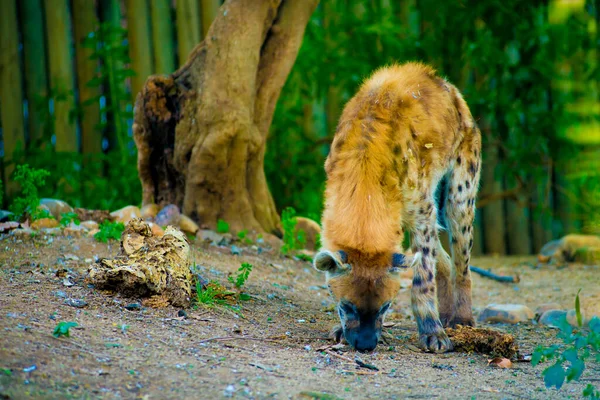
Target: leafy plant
62, 329
67, 218
292, 239
109, 230
212, 294
570, 356
222, 226
242, 276
31, 180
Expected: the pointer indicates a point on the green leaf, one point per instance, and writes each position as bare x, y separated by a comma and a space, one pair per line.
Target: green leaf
575, 370
245, 297
578, 310
62, 329
537, 356
554, 376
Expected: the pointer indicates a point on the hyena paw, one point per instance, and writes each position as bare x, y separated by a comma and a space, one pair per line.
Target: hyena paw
337, 333
445, 319
464, 321
435, 342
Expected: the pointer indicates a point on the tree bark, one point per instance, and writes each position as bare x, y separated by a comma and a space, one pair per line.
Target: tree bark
201, 132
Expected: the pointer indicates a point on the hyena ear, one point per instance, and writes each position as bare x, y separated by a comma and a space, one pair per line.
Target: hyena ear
327, 261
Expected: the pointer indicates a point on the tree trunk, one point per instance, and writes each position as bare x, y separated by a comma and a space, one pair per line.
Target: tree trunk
163, 36
11, 93
187, 21
140, 51
201, 132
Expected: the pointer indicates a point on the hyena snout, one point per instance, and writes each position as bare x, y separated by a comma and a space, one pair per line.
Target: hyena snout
362, 330
363, 340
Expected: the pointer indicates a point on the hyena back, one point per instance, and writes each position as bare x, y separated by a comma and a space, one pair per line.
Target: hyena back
403, 132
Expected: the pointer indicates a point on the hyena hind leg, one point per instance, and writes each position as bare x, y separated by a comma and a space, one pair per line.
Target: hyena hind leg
460, 212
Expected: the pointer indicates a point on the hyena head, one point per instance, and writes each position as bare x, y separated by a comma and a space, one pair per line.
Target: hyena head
364, 292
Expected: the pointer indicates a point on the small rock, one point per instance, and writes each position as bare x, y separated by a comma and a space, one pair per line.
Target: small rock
126, 214
22, 232
71, 257
92, 232
44, 223
156, 230
76, 303
89, 225
30, 369
52, 231
94, 215
236, 251
5, 215
206, 235
56, 207
133, 306
169, 215
182, 313
74, 231
546, 307
149, 211
312, 231
186, 224
68, 282
61, 294
506, 313
8, 226
552, 318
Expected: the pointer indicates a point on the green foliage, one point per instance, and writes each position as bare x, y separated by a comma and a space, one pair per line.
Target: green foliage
109, 230
222, 226
28, 201
107, 180
510, 77
242, 234
292, 239
570, 357
67, 218
6, 371
242, 276
62, 329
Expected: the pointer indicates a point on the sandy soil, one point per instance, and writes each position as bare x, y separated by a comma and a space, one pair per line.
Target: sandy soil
268, 350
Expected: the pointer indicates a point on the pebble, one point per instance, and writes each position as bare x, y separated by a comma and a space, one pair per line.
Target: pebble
56, 207
236, 251
542, 308
5, 215
205, 235
126, 214
169, 215
22, 232
89, 225
186, 224
30, 369
74, 231
552, 318
133, 306
182, 313
76, 303
149, 211
44, 223
506, 313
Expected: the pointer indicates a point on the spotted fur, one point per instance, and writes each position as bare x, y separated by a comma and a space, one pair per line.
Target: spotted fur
403, 132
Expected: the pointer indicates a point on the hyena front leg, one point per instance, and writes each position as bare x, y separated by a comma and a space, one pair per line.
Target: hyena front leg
444, 283
460, 212
423, 293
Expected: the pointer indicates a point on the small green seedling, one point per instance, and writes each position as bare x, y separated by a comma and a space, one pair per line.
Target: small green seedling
109, 230
222, 226
67, 218
242, 276
31, 180
6, 371
292, 239
62, 329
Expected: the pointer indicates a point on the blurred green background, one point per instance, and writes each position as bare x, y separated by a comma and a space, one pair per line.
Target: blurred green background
529, 70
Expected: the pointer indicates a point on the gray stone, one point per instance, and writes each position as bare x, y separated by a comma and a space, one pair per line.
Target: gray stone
169, 215
553, 318
506, 313
56, 207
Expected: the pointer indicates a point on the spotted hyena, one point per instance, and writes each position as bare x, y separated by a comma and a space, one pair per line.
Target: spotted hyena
403, 134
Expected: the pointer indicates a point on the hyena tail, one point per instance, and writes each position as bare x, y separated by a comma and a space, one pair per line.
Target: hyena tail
459, 213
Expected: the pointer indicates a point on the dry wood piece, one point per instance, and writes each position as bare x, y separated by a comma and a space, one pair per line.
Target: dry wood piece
484, 341
148, 265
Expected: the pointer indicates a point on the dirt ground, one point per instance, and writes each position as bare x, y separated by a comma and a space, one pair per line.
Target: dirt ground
269, 351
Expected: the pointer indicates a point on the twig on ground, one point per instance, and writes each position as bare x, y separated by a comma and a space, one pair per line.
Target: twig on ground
223, 338
341, 357
361, 372
491, 275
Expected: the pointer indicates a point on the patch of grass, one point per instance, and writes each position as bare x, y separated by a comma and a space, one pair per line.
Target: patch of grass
579, 345
242, 276
6, 371
67, 218
242, 234
304, 257
62, 329
28, 201
109, 230
222, 226
212, 294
